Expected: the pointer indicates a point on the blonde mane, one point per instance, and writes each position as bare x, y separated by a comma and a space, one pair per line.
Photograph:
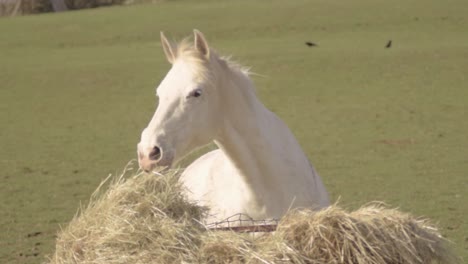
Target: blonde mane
186, 51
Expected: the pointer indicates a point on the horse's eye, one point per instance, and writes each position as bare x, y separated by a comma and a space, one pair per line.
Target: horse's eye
196, 93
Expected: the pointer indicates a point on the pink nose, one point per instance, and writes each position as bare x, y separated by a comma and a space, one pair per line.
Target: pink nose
147, 163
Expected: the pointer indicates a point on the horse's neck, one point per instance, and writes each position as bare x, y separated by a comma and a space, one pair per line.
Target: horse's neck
254, 140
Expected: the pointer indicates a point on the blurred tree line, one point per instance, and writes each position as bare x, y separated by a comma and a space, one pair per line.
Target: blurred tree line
18, 7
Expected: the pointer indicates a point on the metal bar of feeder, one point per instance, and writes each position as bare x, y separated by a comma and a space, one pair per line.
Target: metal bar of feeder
247, 229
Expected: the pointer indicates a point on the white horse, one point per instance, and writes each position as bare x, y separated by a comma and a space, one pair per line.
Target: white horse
259, 169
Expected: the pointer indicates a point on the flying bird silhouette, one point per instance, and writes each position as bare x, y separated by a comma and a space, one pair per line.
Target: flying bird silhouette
389, 44
310, 44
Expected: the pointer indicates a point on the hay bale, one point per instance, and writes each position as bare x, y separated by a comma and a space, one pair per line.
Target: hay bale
142, 219
372, 234
145, 219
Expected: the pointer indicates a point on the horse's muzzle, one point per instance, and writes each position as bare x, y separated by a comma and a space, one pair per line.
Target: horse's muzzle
154, 159
146, 164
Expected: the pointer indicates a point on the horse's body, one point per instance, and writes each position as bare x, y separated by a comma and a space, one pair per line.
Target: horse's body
259, 169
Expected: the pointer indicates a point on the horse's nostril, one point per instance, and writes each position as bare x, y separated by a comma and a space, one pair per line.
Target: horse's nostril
155, 154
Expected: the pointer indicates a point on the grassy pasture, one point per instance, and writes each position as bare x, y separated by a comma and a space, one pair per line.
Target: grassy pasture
378, 124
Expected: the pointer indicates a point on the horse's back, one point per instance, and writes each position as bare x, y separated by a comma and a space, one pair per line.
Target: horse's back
199, 176
213, 181
196, 176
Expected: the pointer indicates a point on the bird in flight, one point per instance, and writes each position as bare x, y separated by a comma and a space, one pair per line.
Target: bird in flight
389, 44
310, 44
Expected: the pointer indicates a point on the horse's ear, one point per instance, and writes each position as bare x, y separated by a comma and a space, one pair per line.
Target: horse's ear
168, 49
201, 44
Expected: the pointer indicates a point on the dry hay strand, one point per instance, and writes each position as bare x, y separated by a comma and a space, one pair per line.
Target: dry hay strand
145, 219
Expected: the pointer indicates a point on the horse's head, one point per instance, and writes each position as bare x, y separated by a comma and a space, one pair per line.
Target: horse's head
189, 105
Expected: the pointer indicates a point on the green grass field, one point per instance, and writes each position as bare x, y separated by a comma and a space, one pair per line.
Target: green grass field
382, 124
